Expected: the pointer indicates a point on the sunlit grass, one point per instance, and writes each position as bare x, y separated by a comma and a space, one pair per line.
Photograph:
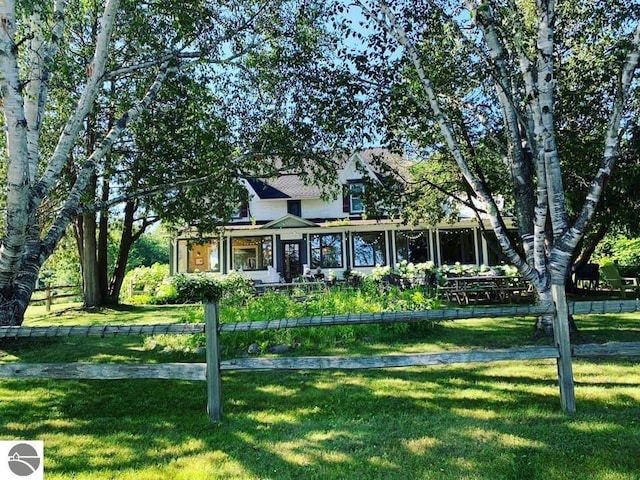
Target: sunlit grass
441, 422
488, 421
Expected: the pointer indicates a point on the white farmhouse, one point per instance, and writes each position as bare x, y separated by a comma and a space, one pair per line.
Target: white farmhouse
287, 227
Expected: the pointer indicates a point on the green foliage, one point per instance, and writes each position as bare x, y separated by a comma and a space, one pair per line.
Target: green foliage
142, 299
63, 266
149, 249
147, 279
166, 293
336, 301
197, 287
237, 289
625, 251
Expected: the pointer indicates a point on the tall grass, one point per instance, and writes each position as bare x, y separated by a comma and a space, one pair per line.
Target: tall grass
337, 301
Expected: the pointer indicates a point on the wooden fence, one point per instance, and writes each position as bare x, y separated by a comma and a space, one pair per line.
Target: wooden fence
211, 371
52, 293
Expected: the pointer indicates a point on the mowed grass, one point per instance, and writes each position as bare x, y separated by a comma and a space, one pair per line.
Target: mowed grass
498, 420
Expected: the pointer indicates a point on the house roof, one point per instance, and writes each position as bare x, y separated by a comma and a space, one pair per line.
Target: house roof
292, 186
376, 157
264, 190
285, 186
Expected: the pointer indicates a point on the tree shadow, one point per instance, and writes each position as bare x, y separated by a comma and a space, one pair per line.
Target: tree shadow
441, 422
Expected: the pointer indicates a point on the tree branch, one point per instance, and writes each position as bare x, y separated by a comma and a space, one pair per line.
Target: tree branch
72, 207
74, 124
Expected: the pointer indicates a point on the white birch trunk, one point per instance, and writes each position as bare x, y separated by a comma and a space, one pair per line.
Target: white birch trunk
96, 71
17, 187
549, 239
26, 246
446, 128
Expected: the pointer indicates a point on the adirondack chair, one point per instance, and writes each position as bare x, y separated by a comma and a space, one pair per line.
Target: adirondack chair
611, 275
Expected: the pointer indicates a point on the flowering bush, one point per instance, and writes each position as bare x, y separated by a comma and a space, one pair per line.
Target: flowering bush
380, 271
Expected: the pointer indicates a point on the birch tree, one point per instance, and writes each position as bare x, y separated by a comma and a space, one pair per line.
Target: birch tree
462, 75
43, 134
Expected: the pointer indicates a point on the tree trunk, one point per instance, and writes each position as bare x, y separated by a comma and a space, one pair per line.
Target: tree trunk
127, 239
544, 323
90, 272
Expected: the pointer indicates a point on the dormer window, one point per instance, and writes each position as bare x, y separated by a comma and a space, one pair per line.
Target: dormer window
353, 201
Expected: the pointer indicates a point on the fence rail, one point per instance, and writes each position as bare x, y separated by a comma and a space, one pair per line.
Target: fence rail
104, 371
574, 308
53, 292
100, 330
197, 371
211, 370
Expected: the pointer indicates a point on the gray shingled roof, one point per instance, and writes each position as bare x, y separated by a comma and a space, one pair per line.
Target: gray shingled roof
291, 185
294, 187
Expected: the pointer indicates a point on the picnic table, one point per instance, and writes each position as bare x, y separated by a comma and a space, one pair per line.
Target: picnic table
484, 288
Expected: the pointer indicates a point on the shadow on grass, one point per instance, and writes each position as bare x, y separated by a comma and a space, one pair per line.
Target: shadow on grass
485, 422
488, 421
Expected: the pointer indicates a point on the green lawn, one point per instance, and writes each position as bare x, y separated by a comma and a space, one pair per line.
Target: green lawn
478, 421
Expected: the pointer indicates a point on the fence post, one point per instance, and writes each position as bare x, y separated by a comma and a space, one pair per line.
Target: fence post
563, 344
214, 381
47, 301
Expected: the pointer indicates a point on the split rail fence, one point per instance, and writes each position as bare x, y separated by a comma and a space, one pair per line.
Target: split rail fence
49, 294
211, 371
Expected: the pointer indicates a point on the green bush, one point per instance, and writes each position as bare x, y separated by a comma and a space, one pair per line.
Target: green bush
196, 288
166, 293
141, 299
237, 289
145, 279
627, 251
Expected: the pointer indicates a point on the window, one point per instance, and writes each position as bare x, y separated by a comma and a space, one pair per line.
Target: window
457, 246
493, 257
242, 211
369, 249
353, 201
199, 256
251, 253
294, 207
326, 250
412, 246
494, 251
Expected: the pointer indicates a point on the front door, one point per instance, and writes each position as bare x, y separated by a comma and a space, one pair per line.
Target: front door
292, 261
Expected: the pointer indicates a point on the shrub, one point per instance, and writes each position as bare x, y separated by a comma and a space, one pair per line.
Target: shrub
166, 293
196, 287
146, 279
237, 289
141, 299
627, 251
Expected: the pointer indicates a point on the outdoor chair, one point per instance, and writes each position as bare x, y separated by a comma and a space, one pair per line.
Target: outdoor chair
611, 275
587, 276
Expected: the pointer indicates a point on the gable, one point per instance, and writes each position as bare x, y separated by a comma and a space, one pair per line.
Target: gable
286, 186
356, 168
289, 221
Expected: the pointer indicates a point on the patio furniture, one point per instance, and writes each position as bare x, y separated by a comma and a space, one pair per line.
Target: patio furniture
587, 276
610, 274
484, 288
